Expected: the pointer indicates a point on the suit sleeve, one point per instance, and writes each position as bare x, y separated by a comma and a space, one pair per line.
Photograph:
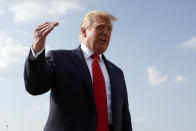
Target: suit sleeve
38, 73
127, 125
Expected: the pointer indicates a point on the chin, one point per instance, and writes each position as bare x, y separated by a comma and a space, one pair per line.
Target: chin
100, 51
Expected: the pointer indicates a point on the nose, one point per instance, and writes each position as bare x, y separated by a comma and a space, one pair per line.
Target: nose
106, 31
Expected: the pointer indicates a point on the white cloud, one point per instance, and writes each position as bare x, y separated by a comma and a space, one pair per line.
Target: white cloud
12, 57
180, 79
35, 9
155, 78
1, 12
23, 32
11, 51
2, 79
190, 44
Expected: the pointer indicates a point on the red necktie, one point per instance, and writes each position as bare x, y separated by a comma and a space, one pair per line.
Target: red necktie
100, 95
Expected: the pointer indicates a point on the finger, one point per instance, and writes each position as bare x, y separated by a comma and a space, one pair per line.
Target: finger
46, 24
41, 27
55, 23
40, 32
46, 32
45, 28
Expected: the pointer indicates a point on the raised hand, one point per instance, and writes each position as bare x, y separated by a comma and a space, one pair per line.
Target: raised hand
40, 35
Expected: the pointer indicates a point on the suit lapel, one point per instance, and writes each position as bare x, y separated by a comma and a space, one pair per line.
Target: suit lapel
114, 90
79, 60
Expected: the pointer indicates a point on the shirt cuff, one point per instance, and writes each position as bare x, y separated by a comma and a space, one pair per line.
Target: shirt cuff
37, 54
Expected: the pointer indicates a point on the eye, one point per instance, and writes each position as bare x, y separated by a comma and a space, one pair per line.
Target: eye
100, 27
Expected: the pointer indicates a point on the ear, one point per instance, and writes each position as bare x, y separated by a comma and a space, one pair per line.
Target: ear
83, 31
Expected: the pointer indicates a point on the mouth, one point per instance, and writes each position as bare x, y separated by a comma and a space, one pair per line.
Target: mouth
103, 40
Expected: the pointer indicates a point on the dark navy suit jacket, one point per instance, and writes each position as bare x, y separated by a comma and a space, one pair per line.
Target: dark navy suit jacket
72, 102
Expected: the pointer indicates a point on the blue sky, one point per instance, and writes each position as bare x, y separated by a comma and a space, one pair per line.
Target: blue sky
153, 42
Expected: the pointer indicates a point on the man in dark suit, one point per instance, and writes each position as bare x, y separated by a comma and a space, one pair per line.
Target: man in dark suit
88, 92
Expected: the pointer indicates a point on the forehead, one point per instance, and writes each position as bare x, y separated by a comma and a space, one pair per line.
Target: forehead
99, 19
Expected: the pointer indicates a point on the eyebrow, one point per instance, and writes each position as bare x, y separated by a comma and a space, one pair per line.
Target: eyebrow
103, 24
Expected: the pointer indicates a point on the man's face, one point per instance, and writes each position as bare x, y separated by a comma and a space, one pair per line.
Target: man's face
97, 34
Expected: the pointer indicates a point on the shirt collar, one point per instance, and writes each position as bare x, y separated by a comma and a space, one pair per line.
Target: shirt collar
88, 53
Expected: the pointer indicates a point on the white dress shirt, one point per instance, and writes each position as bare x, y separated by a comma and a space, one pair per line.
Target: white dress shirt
87, 55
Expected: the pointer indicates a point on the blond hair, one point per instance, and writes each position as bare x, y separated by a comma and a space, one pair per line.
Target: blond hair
90, 16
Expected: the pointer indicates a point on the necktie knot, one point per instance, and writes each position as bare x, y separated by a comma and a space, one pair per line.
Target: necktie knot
95, 56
